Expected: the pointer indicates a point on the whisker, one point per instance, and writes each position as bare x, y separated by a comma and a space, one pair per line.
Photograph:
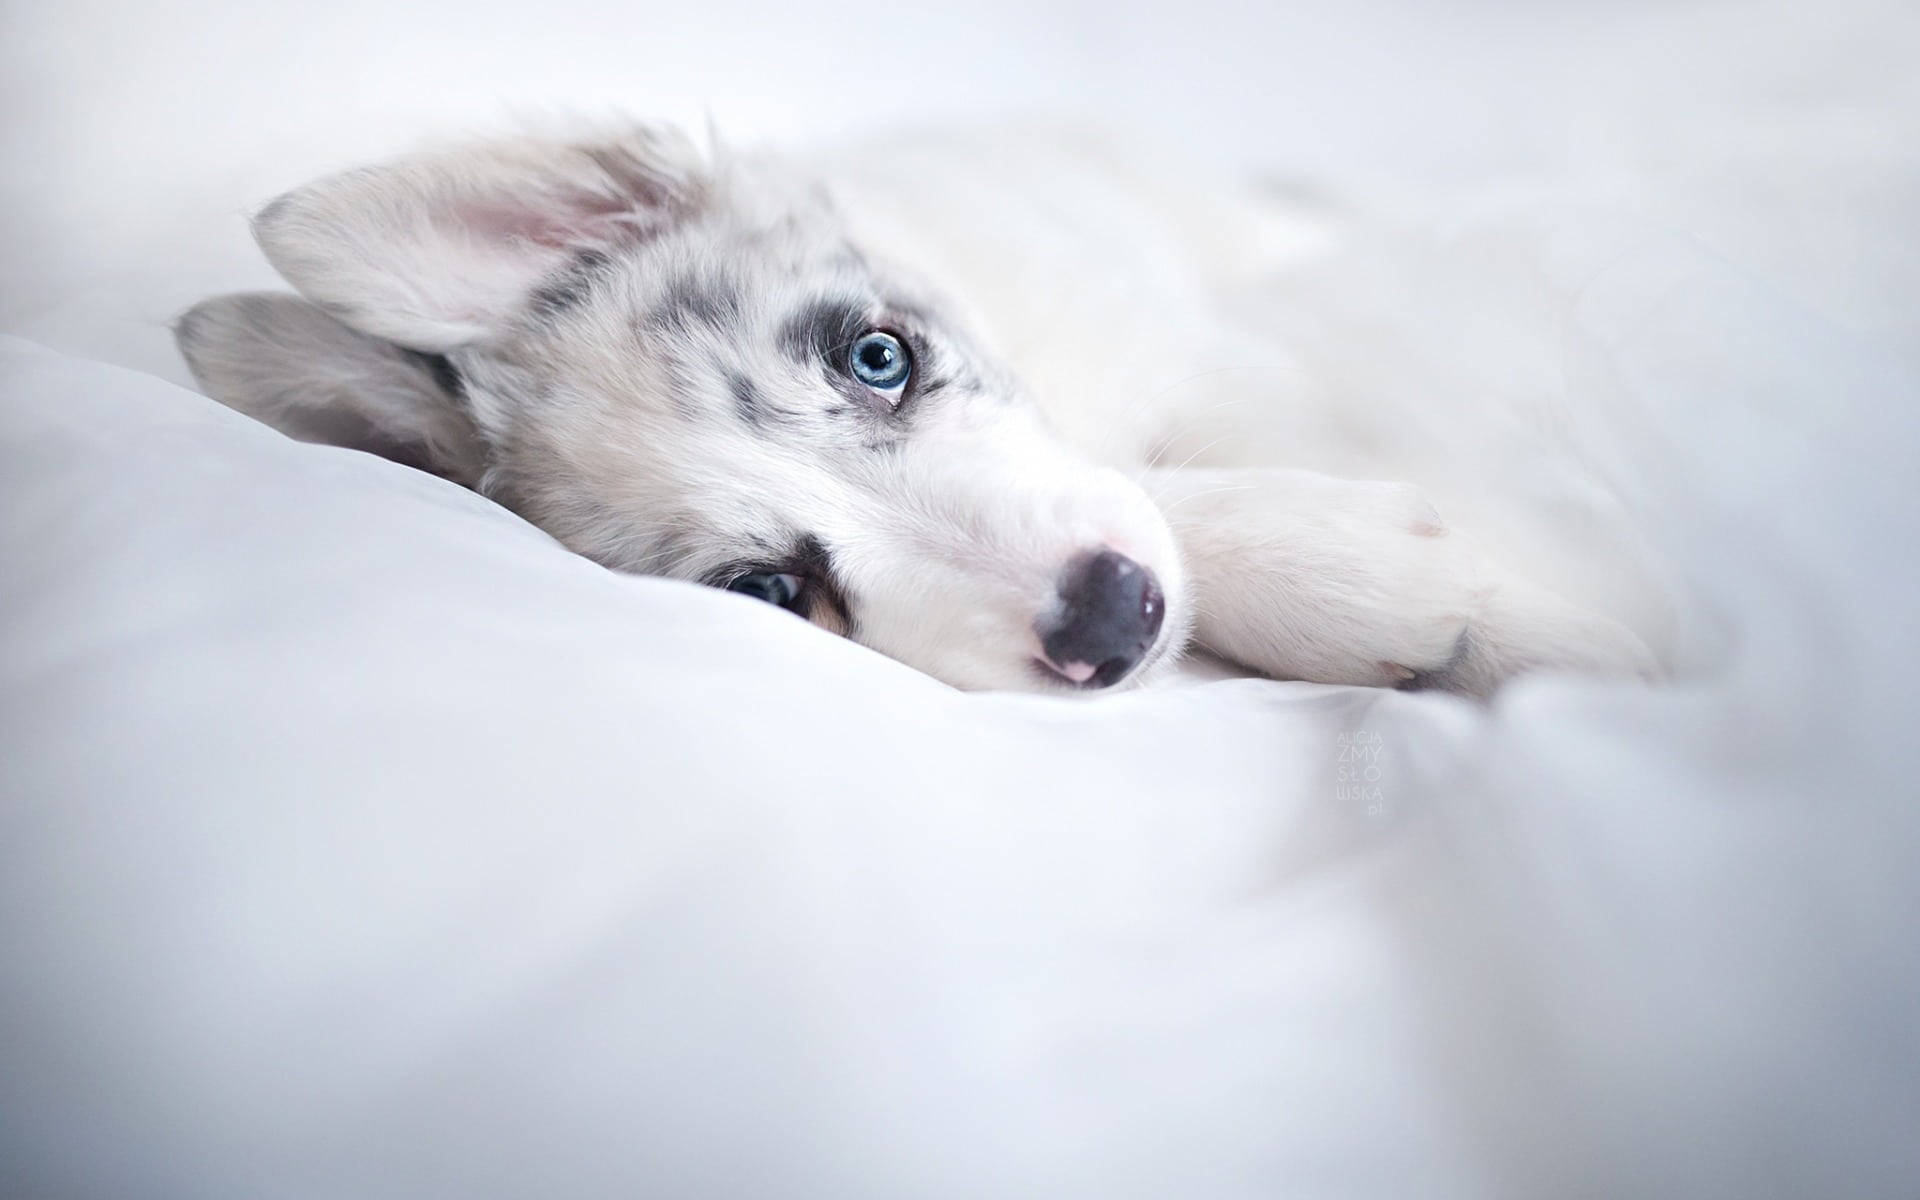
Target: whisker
1167, 510
1191, 420
1188, 460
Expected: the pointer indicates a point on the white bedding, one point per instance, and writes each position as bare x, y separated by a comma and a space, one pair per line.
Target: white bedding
359, 841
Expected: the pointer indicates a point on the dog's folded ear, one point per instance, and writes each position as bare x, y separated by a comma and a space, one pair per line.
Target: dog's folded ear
283, 361
443, 249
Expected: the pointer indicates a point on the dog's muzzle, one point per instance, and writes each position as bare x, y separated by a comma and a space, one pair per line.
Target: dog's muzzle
1109, 616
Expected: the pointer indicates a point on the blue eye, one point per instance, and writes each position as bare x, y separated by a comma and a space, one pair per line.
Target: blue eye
880, 360
777, 589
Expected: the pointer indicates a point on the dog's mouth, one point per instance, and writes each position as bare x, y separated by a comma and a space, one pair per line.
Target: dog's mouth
1092, 677
1104, 676
1081, 675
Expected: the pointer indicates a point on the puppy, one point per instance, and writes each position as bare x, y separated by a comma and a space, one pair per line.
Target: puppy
714, 368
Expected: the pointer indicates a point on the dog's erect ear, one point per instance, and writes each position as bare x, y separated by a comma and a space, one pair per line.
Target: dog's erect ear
441, 250
280, 359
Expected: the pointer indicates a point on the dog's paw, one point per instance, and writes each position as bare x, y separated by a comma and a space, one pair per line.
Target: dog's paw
1497, 624
1391, 592
1306, 577
1521, 627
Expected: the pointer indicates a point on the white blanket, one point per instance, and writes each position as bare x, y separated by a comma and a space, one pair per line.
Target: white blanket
357, 840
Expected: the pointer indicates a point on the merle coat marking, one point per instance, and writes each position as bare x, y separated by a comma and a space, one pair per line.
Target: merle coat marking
644, 350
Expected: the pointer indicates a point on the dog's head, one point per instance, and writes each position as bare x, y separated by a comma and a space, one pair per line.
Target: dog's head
689, 370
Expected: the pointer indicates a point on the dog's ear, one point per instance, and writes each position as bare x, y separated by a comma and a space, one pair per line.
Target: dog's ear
282, 360
441, 250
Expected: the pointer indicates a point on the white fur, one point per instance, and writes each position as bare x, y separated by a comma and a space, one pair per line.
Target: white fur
649, 409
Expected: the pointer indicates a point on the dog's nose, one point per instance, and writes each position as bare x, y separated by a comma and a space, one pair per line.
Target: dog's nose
1109, 615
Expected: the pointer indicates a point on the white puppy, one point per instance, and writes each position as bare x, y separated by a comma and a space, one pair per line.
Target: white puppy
721, 369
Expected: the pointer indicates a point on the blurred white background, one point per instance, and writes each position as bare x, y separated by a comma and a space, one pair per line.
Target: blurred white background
1782, 135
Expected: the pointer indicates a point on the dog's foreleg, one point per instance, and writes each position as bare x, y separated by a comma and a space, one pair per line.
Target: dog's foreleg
1302, 576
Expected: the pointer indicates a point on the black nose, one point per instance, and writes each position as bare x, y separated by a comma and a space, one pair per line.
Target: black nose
1109, 616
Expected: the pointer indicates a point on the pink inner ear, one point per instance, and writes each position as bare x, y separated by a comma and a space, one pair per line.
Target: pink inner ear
579, 220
